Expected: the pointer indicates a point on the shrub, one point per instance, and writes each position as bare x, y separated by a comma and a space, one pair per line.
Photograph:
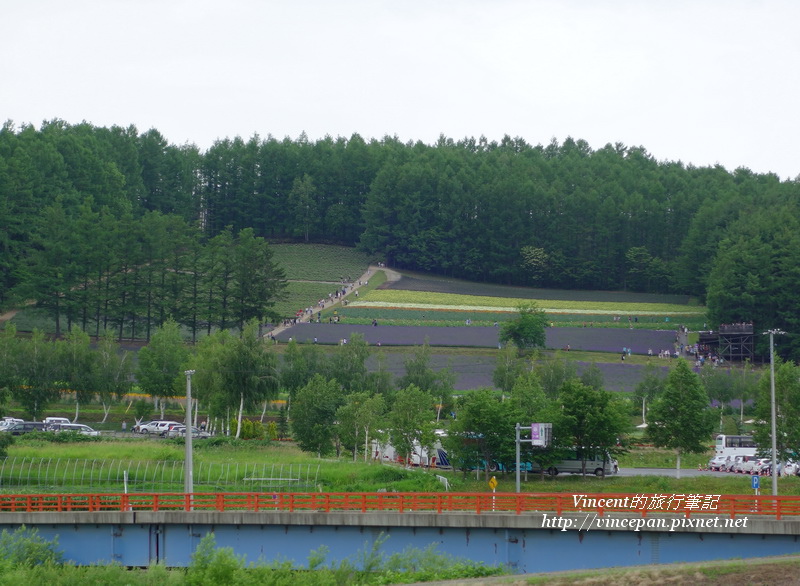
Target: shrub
142, 409
6, 439
250, 429
212, 565
25, 548
62, 437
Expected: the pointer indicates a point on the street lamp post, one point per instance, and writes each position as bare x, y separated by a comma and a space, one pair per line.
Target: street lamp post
772, 408
188, 479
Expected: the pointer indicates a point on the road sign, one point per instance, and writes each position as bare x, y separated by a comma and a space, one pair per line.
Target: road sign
493, 483
756, 481
541, 434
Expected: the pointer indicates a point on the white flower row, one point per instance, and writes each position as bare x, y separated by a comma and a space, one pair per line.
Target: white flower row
432, 306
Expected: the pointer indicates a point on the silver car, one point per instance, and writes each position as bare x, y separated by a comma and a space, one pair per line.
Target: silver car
78, 428
719, 463
180, 431
740, 463
155, 427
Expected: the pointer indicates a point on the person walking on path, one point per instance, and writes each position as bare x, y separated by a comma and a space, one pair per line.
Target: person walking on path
352, 290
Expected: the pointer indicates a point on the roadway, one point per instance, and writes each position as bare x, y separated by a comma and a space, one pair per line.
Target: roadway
685, 473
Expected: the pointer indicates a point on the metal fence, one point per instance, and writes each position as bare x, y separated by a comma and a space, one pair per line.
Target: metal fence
84, 475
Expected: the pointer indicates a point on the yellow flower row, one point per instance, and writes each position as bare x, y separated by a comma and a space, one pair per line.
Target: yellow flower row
430, 300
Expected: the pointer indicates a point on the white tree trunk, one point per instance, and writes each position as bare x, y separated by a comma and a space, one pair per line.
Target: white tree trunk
263, 412
77, 412
106, 411
678, 467
239, 420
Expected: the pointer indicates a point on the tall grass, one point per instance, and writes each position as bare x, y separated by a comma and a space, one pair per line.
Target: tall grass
220, 464
265, 459
26, 558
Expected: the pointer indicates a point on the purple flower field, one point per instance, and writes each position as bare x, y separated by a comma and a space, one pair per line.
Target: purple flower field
588, 339
476, 371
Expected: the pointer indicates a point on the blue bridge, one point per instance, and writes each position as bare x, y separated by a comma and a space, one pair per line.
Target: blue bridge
525, 539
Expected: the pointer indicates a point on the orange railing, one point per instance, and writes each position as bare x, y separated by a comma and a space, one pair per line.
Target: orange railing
476, 503
402, 502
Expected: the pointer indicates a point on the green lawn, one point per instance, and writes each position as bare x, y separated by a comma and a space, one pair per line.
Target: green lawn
301, 294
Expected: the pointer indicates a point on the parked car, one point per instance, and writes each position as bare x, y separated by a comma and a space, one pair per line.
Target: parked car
49, 421
8, 422
180, 431
25, 427
175, 430
164, 426
791, 468
739, 463
764, 467
77, 428
147, 428
755, 465
719, 463
137, 427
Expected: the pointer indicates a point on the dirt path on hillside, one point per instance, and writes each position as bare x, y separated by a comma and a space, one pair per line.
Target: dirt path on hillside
351, 291
4, 317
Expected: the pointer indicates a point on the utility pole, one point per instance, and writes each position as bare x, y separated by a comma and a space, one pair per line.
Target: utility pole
188, 478
772, 407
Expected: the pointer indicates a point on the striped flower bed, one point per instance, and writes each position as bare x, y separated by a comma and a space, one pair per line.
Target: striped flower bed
397, 298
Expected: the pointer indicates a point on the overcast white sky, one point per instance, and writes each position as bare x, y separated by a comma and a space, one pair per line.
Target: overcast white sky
704, 82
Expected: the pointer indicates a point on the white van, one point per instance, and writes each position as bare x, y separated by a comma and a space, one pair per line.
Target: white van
8, 422
48, 421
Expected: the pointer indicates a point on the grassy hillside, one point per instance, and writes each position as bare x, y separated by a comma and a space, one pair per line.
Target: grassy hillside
320, 262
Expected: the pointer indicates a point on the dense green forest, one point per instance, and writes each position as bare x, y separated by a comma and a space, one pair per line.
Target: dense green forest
114, 225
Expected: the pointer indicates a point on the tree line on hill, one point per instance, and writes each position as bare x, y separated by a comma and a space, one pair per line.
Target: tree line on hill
120, 203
